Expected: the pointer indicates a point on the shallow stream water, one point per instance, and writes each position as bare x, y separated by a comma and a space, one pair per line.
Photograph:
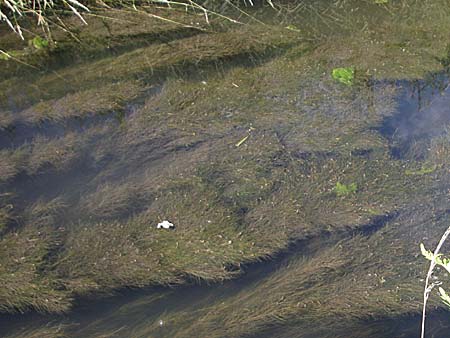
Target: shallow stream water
244, 151
143, 313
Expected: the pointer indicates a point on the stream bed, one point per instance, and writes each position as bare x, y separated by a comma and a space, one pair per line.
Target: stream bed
299, 197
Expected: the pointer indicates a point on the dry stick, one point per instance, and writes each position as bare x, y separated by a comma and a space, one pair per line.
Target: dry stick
428, 287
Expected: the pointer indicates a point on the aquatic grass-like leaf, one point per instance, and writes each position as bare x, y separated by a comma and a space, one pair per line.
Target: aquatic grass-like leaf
242, 141
344, 190
344, 75
422, 171
293, 28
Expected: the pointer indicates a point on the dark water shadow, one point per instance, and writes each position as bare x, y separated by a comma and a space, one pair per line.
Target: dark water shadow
21, 133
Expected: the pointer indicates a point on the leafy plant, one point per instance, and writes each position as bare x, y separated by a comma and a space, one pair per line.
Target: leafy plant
439, 259
39, 43
344, 190
436, 259
444, 296
344, 75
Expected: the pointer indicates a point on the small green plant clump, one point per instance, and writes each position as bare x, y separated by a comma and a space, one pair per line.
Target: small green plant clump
344, 190
39, 43
344, 75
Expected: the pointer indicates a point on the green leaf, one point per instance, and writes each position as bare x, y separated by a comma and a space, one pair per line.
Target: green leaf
427, 254
344, 75
293, 28
446, 265
444, 296
39, 43
441, 261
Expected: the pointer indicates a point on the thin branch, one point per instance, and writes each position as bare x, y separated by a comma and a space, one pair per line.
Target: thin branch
428, 286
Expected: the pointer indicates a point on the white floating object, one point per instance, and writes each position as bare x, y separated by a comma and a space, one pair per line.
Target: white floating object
165, 225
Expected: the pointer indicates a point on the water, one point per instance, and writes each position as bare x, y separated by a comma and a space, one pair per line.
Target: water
239, 138
422, 113
142, 313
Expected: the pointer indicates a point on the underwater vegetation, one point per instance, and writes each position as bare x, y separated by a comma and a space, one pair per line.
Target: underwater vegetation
343, 190
344, 75
422, 171
239, 136
39, 43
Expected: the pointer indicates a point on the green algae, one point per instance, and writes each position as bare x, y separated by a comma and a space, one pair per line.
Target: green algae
344, 75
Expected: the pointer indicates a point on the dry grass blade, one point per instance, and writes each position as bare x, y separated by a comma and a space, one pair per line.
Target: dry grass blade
11, 10
43, 10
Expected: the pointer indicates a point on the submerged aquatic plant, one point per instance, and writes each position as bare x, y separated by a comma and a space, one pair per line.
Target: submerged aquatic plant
422, 171
344, 190
293, 28
39, 43
344, 75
